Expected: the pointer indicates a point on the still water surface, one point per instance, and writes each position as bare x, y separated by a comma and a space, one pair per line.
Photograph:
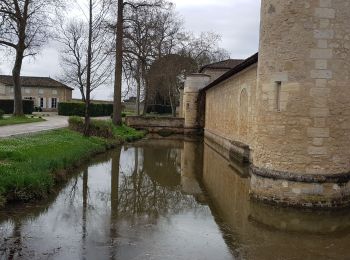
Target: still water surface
167, 200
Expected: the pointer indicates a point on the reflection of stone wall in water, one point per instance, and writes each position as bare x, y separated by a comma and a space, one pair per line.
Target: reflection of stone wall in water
260, 231
191, 167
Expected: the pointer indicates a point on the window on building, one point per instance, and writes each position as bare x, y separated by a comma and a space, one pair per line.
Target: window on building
54, 103
278, 95
41, 102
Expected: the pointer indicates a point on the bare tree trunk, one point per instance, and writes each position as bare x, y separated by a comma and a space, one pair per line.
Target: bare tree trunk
88, 76
117, 113
138, 77
145, 102
16, 75
172, 103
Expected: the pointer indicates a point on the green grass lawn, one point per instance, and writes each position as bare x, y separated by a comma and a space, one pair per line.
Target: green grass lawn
19, 120
28, 164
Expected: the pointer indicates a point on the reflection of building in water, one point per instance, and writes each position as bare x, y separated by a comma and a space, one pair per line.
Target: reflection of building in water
191, 165
262, 231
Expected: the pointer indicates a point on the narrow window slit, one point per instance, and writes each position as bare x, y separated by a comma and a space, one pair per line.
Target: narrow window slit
278, 95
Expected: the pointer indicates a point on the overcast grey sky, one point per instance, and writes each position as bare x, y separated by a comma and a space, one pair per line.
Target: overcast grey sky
237, 21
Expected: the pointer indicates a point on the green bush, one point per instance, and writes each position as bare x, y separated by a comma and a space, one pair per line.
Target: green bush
2, 113
97, 127
78, 109
7, 106
106, 129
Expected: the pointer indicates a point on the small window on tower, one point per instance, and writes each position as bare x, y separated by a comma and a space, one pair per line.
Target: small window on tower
278, 95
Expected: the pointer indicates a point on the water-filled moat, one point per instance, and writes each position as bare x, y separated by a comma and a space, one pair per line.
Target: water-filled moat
166, 199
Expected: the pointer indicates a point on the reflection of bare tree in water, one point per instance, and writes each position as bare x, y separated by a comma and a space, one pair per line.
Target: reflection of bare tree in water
153, 188
114, 200
85, 205
16, 245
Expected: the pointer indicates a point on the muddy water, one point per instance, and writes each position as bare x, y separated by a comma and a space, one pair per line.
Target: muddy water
166, 200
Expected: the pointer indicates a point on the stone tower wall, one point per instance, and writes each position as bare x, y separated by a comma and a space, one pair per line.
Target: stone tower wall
194, 83
304, 126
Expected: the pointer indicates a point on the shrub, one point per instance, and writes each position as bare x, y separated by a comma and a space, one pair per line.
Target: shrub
7, 106
106, 129
78, 109
97, 127
2, 113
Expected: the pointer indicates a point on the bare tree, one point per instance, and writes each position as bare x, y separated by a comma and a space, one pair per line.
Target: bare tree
204, 49
119, 30
149, 34
24, 28
167, 76
85, 55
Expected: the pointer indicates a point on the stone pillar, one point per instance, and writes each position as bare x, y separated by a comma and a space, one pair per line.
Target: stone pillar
194, 83
301, 152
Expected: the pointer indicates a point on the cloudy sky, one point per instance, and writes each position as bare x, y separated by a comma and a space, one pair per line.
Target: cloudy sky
237, 21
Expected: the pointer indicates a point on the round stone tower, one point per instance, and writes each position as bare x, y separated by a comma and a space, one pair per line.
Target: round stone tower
301, 151
193, 84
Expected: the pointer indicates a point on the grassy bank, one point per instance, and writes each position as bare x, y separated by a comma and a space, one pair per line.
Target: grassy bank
106, 129
29, 165
19, 120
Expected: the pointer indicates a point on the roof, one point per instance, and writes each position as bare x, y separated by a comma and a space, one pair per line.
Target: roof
225, 64
243, 65
33, 81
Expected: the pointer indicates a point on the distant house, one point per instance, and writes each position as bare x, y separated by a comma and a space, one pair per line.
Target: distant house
45, 92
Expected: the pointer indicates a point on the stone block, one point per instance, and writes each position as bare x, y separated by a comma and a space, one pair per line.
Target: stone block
324, 23
321, 83
320, 122
313, 150
320, 92
317, 141
321, 74
316, 132
321, 53
325, 13
320, 102
319, 112
322, 44
280, 76
324, 34
321, 64
326, 3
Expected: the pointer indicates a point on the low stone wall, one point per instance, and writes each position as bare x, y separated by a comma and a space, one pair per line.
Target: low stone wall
169, 125
231, 150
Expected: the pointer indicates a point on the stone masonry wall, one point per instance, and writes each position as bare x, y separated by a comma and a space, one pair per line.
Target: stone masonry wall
302, 110
230, 106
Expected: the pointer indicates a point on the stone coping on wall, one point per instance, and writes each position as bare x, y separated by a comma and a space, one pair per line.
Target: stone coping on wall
236, 150
299, 177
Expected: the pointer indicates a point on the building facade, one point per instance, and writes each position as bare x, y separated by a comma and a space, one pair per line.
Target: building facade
45, 92
286, 109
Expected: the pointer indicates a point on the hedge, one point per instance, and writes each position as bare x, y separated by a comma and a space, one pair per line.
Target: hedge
159, 109
7, 106
78, 109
